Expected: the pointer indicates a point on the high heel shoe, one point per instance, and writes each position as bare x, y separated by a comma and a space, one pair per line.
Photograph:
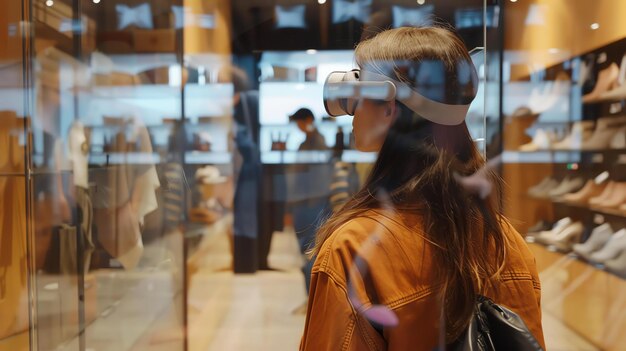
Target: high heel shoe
618, 197
581, 131
619, 139
617, 265
542, 140
564, 240
556, 228
598, 238
611, 249
608, 191
601, 138
542, 187
568, 185
620, 91
591, 189
606, 80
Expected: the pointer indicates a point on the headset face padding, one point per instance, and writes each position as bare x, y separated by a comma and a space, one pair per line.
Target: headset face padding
344, 89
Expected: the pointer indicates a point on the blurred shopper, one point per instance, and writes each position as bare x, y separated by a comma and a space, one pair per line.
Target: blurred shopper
401, 265
311, 200
306, 123
247, 173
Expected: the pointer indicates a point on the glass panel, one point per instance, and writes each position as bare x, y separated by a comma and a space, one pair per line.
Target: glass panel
108, 188
182, 156
564, 161
15, 121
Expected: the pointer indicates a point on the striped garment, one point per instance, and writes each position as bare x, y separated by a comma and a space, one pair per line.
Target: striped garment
344, 184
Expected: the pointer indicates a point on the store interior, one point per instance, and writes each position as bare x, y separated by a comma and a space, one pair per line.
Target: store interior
152, 166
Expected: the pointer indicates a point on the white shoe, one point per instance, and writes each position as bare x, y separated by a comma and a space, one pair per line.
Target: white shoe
617, 265
606, 128
543, 186
581, 131
567, 186
598, 238
569, 236
544, 98
544, 236
611, 249
541, 141
543, 192
539, 185
619, 139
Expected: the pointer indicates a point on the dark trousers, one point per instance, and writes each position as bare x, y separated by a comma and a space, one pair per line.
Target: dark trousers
307, 217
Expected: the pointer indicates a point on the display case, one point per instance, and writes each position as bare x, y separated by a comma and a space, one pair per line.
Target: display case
150, 156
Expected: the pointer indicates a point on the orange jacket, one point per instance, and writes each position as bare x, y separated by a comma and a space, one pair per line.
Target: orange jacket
395, 271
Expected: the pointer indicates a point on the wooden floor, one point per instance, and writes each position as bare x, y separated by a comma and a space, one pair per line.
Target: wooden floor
583, 307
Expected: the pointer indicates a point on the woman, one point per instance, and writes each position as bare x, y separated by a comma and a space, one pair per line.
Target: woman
400, 265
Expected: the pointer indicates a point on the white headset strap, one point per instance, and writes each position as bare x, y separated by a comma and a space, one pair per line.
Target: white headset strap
433, 111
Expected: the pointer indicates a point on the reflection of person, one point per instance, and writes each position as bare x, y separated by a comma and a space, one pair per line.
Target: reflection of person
306, 123
413, 239
249, 240
312, 202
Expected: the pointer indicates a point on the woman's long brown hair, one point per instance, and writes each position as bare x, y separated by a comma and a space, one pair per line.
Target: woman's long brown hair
417, 165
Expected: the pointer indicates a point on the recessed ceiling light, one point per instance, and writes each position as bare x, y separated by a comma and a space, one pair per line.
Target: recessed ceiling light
513, 0
321, 2
595, 26
49, 3
421, 2
96, 1
311, 51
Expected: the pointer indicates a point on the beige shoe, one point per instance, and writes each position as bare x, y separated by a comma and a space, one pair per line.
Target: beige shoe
617, 198
591, 189
608, 191
546, 236
605, 130
619, 139
564, 240
541, 141
618, 93
606, 80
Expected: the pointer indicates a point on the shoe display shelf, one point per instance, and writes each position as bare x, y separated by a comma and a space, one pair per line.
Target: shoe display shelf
563, 157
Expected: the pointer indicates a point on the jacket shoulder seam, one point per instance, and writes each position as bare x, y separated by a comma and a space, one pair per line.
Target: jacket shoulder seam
355, 318
407, 299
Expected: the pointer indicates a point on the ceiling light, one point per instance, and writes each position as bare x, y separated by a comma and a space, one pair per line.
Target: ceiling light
49, 3
513, 0
96, 1
321, 2
595, 26
421, 2
311, 51
553, 50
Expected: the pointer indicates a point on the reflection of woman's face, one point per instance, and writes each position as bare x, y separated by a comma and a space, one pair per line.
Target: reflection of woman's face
370, 125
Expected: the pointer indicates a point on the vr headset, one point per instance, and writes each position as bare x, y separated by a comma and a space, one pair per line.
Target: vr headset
344, 89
